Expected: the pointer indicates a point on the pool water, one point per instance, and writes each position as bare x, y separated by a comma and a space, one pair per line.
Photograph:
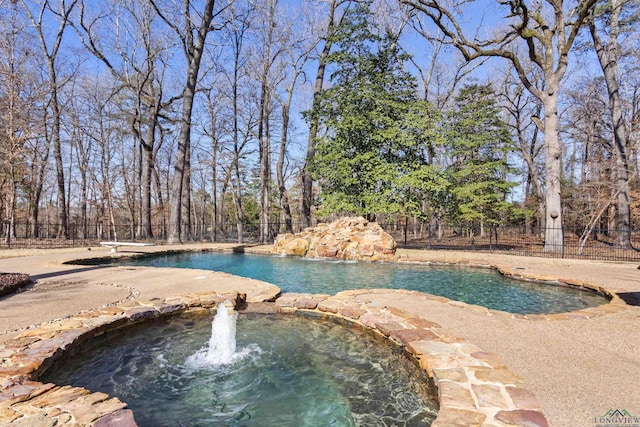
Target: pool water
471, 285
293, 372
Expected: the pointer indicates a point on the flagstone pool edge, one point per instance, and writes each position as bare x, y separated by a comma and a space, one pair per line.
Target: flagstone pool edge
474, 387
614, 305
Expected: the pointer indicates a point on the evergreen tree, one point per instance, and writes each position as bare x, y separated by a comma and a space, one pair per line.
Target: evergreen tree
377, 131
479, 142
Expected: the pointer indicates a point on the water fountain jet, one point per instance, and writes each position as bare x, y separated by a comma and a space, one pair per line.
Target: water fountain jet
222, 344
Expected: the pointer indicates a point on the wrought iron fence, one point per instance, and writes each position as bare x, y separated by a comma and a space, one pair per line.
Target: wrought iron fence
597, 244
521, 240
50, 235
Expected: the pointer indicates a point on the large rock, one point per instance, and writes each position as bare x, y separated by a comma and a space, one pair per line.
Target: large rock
351, 238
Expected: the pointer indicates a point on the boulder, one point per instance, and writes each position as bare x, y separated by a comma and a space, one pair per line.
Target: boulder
350, 238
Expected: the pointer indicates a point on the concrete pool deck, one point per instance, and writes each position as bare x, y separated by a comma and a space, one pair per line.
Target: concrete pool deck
578, 367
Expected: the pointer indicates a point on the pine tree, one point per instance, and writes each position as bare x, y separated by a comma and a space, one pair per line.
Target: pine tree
376, 129
479, 142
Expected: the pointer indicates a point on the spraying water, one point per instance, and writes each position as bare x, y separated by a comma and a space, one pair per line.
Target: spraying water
222, 344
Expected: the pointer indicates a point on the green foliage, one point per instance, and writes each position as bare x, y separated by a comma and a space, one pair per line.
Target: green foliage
479, 142
378, 132
385, 151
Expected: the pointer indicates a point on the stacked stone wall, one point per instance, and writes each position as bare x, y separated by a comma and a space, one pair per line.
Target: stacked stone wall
351, 238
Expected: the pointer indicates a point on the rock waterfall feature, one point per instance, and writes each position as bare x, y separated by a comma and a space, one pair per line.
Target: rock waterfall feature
351, 238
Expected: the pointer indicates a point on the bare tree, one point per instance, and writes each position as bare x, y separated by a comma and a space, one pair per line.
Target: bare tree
590, 160
141, 73
237, 35
212, 129
521, 109
106, 132
81, 144
608, 52
547, 32
38, 150
270, 52
440, 76
333, 20
50, 49
17, 102
298, 51
192, 36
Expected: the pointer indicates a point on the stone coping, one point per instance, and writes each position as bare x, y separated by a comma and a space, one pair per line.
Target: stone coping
26, 356
475, 388
614, 305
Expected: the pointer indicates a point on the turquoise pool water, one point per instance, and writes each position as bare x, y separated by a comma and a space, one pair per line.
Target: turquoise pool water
292, 372
471, 285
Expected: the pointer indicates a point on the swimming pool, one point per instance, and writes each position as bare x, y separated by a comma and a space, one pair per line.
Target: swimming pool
470, 285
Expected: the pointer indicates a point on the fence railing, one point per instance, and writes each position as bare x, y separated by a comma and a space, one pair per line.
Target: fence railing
50, 235
521, 240
599, 244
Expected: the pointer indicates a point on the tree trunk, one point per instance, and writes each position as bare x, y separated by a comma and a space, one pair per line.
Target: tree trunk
265, 158
236, 193
84, 199
12, 204
106, 190
282, 190
193, 53
215, 224
185, 228
237, 201
147, 173
553, 241
37, 195
608, 58
39, 179
63, 223
51, 55
264, 137
161, 207
148, 161
177, 183
307, 180
265, 190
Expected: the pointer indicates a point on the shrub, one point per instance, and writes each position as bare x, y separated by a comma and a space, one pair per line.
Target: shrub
11, 282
